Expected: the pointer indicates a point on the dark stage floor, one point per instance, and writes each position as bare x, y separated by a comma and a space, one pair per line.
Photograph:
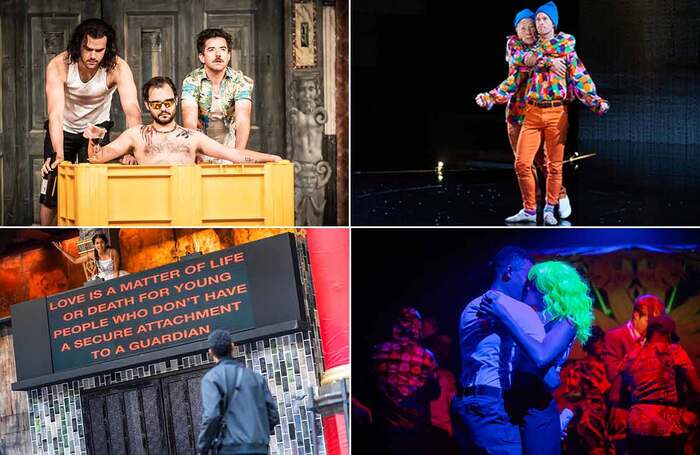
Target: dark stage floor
484, 194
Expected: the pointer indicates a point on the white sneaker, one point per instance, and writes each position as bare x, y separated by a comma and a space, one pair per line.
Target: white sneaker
564, 207
549, 218
521, 217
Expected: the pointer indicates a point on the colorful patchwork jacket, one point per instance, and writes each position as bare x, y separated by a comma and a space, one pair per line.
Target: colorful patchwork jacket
543, 83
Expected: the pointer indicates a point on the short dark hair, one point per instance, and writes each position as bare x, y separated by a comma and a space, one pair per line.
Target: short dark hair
158, 81
222, 351
209, 33
650, 302
220, 343
508, 255
96, 28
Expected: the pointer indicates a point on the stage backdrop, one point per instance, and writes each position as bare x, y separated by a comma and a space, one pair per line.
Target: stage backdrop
618, 275
643, 55
169, 309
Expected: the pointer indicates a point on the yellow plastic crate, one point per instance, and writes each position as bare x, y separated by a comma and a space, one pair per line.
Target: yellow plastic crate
161, 195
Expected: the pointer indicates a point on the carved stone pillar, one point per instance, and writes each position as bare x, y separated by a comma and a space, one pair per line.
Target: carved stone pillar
311, 119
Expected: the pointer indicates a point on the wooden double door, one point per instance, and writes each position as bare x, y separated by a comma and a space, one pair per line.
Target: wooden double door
155, 416
155, 38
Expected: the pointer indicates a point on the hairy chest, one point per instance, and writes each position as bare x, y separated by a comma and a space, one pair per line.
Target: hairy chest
166, 148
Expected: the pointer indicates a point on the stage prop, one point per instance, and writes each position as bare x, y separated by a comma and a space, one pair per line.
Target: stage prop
107, 364
196, 195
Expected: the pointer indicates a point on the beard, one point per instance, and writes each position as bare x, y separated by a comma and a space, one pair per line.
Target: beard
307, 106
162, 119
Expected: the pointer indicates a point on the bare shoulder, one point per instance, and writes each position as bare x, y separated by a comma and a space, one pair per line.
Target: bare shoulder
59, 64
133, 132
187, 133
140, 130
121, 70
121, 65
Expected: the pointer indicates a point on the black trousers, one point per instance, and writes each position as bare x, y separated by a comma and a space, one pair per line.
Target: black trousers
74, 148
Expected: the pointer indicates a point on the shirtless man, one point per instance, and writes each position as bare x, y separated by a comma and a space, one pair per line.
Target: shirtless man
79, 87
166, 142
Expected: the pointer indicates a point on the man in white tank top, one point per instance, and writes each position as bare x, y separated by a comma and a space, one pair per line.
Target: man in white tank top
79, 87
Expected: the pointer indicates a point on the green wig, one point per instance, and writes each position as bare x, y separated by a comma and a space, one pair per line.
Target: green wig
565, 295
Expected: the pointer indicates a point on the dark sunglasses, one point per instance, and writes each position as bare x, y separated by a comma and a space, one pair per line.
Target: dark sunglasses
157, 105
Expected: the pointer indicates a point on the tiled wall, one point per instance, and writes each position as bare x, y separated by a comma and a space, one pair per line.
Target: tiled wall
55, 416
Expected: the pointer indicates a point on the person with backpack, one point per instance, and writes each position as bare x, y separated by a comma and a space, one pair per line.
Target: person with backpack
238, 411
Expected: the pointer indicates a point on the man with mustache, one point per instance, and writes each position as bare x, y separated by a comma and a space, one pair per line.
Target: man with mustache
216, 99
79, 87
518, 76
166, 142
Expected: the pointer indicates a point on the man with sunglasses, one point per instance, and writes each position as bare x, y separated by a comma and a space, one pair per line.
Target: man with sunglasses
166, 142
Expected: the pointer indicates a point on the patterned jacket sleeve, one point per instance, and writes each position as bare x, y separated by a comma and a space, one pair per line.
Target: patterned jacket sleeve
582, 84
515, 54
506, 89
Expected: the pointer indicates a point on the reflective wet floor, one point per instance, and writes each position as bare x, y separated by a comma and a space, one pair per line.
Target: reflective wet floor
484, 195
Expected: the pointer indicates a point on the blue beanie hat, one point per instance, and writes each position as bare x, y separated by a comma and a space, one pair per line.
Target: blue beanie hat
550, 9
524, 14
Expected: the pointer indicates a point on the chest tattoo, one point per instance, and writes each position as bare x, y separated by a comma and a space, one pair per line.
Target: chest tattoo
173, 143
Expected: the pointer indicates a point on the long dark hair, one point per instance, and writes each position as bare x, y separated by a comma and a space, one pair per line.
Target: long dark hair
96, 28
94, 251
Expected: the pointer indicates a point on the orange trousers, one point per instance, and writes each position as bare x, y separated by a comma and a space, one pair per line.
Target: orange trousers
513, 135
550, 123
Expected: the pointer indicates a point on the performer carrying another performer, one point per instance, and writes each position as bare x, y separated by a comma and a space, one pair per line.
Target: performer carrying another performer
546, 113
79, 87
166, 142
518, 77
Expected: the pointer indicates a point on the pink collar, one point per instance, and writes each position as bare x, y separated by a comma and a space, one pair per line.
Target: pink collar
636, 337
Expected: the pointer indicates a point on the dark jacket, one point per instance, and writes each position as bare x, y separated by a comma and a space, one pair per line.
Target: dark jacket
618, 343
251, 415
